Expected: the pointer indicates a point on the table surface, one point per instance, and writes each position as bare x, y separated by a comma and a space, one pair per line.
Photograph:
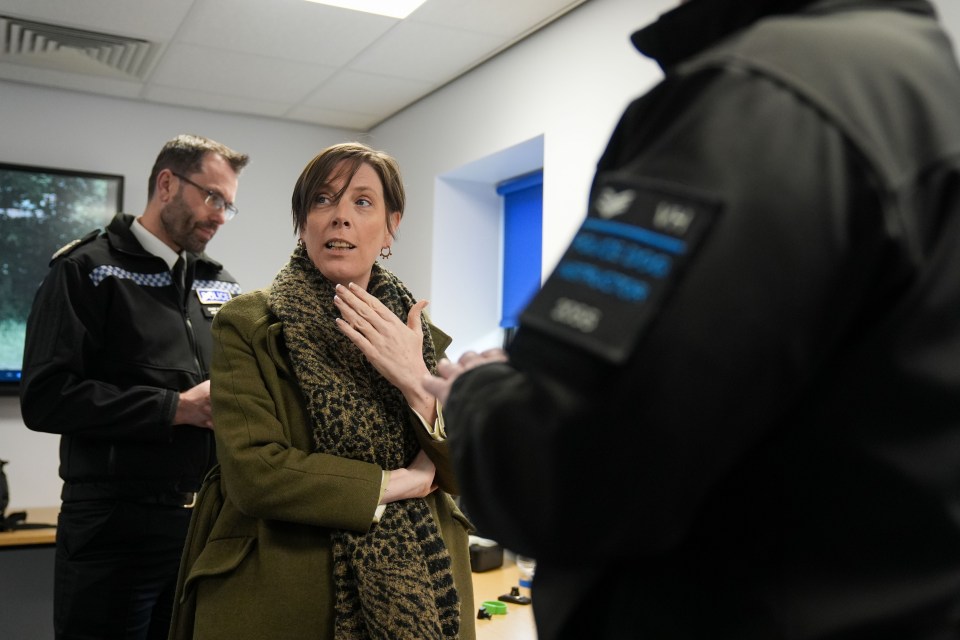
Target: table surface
516, 624
27, 537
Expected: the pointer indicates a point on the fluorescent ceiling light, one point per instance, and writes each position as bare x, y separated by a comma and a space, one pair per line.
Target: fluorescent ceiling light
392, 8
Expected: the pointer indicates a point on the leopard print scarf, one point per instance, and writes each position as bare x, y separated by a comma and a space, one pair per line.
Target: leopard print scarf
395, 581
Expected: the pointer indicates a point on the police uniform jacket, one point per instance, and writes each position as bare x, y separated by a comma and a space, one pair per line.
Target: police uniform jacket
111, 341
733, 410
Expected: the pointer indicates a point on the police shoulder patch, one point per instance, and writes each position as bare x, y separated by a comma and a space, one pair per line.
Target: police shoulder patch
627, 255
73, 244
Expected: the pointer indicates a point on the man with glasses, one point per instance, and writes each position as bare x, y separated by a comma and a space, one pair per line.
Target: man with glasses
117, 363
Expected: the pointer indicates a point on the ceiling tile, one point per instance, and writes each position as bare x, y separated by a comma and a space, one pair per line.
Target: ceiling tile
425, 52
333, 118
141, 18
238, 74
367, 93
215, 101
504, 18
60, 79
287, 29
288, 59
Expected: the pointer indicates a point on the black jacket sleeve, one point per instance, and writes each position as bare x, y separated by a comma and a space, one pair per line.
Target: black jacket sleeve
565, 440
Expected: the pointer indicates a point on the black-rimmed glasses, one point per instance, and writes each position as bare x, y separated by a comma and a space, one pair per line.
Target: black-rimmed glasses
213, 198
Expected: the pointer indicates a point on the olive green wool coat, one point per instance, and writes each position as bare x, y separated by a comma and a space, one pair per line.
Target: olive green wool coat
257, 561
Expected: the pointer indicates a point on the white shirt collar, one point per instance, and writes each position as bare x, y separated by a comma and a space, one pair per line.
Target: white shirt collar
155, 245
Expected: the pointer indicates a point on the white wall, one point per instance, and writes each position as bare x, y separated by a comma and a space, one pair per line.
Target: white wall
565, 88
555, 97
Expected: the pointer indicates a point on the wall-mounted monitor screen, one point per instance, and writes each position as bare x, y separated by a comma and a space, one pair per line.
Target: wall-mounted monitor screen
41, 210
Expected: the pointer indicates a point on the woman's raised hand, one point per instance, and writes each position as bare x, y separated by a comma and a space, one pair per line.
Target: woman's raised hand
394, 349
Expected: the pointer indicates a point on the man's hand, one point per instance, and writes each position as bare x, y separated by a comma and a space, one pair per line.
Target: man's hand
449, 371
194, 407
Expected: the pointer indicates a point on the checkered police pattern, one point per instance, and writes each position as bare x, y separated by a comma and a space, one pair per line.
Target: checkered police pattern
159, 279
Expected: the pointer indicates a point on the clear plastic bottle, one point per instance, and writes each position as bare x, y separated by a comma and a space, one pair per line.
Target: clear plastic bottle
526, 567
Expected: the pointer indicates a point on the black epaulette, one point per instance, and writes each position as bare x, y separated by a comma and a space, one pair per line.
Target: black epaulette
73, 244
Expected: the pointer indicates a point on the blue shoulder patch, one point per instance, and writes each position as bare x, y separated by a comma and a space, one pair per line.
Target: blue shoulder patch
627, 255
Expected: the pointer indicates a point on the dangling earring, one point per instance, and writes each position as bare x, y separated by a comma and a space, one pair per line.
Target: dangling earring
300, 243
389, 252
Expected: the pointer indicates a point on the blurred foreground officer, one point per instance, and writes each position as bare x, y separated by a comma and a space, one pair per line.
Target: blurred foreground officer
751, 348
117, 362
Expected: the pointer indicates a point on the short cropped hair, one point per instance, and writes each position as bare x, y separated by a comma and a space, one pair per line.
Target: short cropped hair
318, 175
184, 154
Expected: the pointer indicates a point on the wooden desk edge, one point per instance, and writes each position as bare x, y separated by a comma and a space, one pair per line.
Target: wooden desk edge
32, 537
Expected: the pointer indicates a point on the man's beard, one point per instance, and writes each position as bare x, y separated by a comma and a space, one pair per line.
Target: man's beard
179, 223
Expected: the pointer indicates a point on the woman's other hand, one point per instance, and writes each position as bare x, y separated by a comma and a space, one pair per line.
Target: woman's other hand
415, 481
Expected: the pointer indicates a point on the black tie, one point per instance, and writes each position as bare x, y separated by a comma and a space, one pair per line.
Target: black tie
179, 275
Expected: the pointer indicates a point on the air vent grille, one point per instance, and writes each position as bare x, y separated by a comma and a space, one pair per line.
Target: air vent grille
25, 38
